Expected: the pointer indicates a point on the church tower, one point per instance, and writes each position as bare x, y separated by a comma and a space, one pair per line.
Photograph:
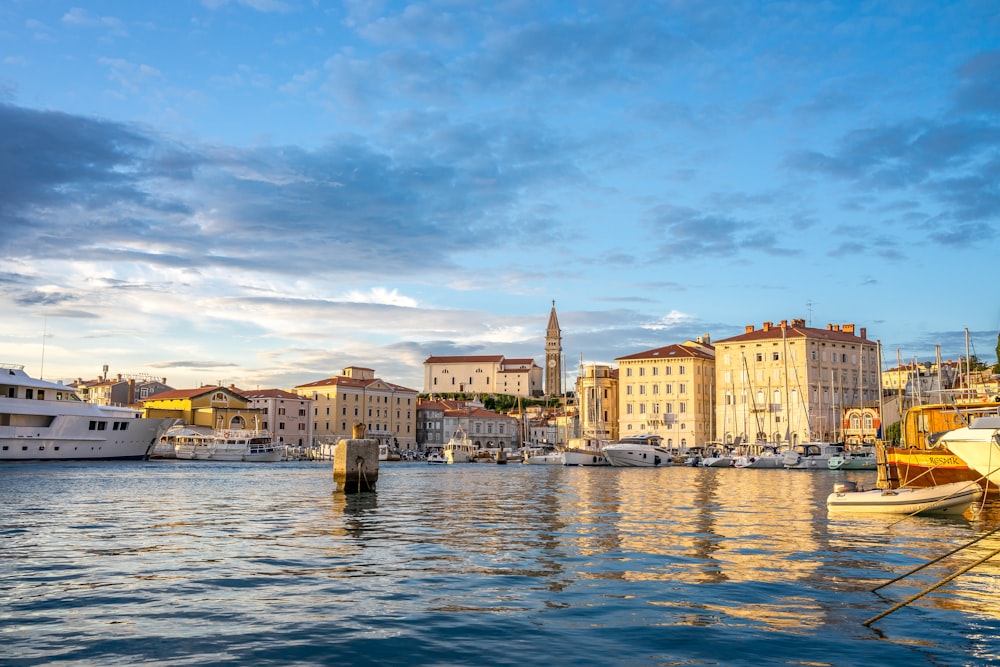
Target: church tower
553, 355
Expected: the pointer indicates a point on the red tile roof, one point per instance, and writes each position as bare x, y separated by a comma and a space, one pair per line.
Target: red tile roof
678, 351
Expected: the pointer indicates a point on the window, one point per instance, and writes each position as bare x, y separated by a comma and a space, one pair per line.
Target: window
758, 357
681, 370
682, 388
775, 356
628, 372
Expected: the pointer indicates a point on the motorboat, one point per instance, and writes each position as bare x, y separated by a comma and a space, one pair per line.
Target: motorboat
48, 421
944, 499
978, 445
716, 457
436, 457
585, 452
854, 459
541, 456
760, 456
459, 449
638, 451
811, 455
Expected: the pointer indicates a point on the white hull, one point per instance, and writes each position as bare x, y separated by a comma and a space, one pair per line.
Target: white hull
435, 458
812, 456
766, 461
856, 462
945, 499
978, 445
623, 455
247, 446
716, 462
45, 421
583, 457
545, 460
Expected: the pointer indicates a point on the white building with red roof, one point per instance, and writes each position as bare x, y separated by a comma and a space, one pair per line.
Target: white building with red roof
482, 374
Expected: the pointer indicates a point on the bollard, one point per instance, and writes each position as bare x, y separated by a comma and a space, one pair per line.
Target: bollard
355, 465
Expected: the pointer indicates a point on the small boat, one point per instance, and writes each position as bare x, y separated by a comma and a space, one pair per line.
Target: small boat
638, 451
538, 456
760, 456
436, 457
585, 452
811, 455
944, 499
716, 457
854, 459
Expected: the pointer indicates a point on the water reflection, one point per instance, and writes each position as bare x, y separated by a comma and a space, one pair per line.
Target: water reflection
450, 561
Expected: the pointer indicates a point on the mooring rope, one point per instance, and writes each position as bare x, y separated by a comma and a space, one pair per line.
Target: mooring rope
933, 587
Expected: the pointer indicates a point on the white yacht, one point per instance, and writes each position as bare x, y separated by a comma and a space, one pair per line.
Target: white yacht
252, 446
760, 456
861, 458
812, 455
459, 449
638, 451
47, 421
978, 444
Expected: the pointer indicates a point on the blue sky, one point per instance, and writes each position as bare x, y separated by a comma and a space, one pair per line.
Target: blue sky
263, 192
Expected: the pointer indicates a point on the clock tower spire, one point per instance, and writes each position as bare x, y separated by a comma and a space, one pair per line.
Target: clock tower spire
553, 355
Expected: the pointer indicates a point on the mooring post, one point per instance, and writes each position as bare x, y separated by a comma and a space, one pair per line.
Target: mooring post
355, 463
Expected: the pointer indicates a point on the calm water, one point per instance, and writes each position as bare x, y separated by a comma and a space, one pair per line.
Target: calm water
179, 563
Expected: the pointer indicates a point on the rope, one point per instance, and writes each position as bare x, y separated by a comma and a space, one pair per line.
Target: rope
939, 558
933, 587
360, 461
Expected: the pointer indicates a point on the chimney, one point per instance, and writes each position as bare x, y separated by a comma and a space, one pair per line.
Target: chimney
864, 333
784, 323
767, 326
849, 328
748, 328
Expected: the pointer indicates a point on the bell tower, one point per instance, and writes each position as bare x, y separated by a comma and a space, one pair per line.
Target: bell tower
553, 355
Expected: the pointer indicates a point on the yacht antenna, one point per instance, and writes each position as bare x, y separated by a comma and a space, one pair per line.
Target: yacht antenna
45, 330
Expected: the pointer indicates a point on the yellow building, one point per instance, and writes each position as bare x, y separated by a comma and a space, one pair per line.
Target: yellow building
790, 383
597, 393
215, 407
388, 411
670, 392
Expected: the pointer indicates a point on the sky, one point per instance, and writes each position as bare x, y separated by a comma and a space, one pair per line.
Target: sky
265, 192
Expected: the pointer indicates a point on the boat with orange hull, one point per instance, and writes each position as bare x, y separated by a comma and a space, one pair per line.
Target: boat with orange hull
923, 459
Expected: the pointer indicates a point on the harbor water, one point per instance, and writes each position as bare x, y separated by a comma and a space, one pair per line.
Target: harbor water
192, 563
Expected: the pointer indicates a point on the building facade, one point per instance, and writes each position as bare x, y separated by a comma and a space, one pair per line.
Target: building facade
286, 416
597, 396
670, 392
430, 425
790, 383
485, 374
485, 428
388, 411
217, 408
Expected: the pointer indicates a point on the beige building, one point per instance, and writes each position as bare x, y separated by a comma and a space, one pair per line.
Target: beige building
670, 392
388, 411
789, 383
487, 374
597, 393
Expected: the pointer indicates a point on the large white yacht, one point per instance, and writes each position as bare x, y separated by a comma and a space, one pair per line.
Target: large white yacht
638, 451
47, 421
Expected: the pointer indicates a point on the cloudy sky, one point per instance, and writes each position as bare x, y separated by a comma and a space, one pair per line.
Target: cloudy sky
263, 192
